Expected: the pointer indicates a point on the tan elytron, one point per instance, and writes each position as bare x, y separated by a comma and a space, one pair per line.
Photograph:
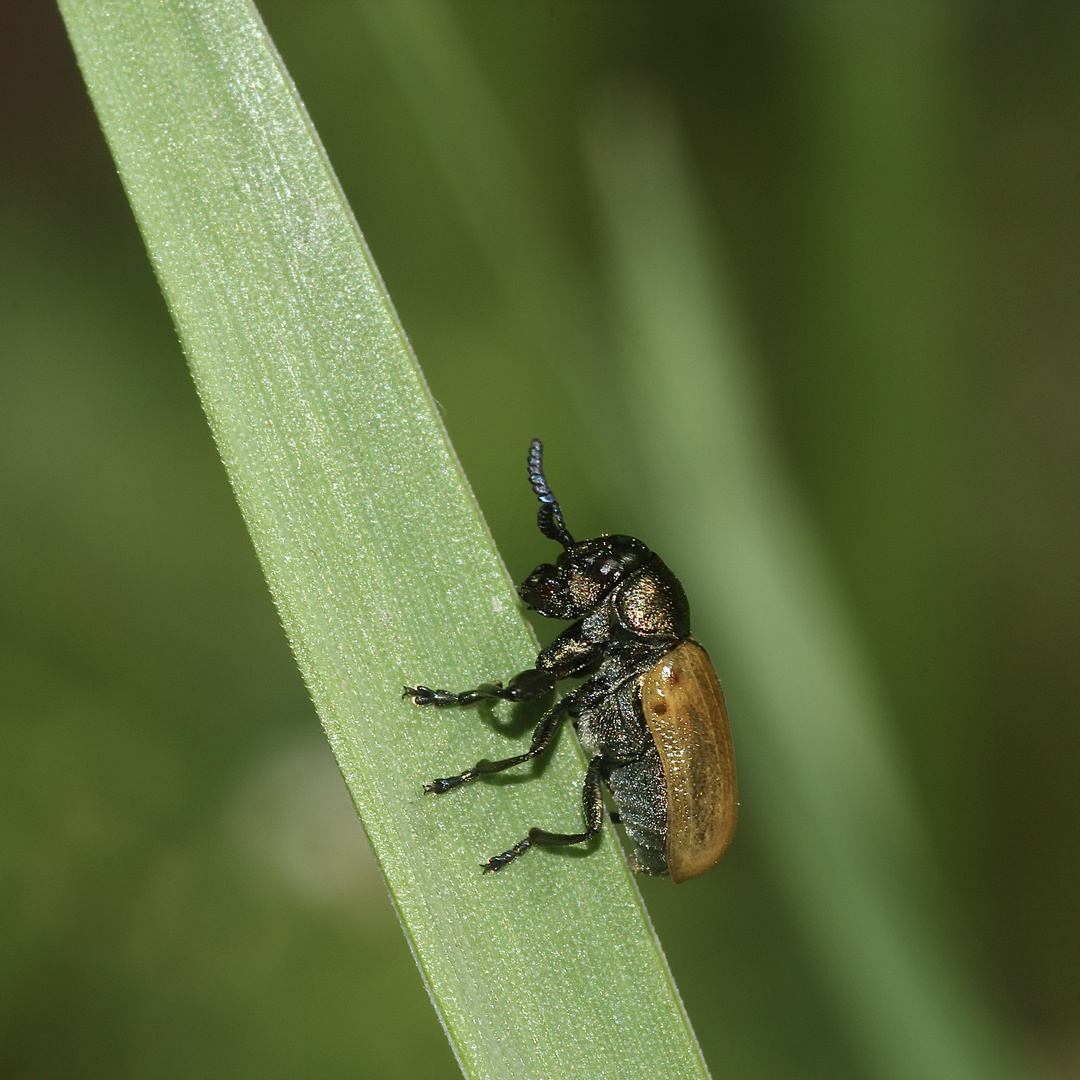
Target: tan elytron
685, 712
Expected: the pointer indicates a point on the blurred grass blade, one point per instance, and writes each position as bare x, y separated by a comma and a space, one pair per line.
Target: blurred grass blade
815, 767
498, 193
375, 552
485, 167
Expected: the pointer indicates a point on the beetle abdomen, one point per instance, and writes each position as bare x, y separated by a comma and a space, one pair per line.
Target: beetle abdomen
638, 790
684, 709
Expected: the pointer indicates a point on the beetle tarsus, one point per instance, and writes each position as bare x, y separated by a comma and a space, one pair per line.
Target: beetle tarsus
445, 784
498, 862
448, 783
525, 686
425, 695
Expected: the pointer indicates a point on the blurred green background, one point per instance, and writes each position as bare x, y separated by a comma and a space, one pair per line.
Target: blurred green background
184, 889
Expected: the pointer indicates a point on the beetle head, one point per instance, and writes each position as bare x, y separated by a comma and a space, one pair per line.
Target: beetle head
582, 576
584, 573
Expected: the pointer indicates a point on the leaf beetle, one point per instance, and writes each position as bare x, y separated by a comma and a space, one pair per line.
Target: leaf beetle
650, 714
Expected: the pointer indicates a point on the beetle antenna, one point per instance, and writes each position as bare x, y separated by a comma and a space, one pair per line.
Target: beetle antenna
550, 519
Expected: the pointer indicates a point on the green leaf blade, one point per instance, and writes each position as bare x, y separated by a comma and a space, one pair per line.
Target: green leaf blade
374, 549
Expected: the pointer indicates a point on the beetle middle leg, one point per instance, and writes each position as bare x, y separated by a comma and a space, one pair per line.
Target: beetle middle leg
542, 738
593, 806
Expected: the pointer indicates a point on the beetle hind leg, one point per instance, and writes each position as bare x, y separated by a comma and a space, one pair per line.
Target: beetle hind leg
593, 806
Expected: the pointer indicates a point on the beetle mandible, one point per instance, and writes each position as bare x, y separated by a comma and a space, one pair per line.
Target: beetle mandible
650, 714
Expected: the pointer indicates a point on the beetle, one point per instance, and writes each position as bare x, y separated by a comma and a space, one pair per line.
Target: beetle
650, 714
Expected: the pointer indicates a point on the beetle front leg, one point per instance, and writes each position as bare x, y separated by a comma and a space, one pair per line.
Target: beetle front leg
570, 655
542, 738
593, 806
526, 686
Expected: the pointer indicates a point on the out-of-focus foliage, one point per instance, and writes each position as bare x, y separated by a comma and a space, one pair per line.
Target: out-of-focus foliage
893, 197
